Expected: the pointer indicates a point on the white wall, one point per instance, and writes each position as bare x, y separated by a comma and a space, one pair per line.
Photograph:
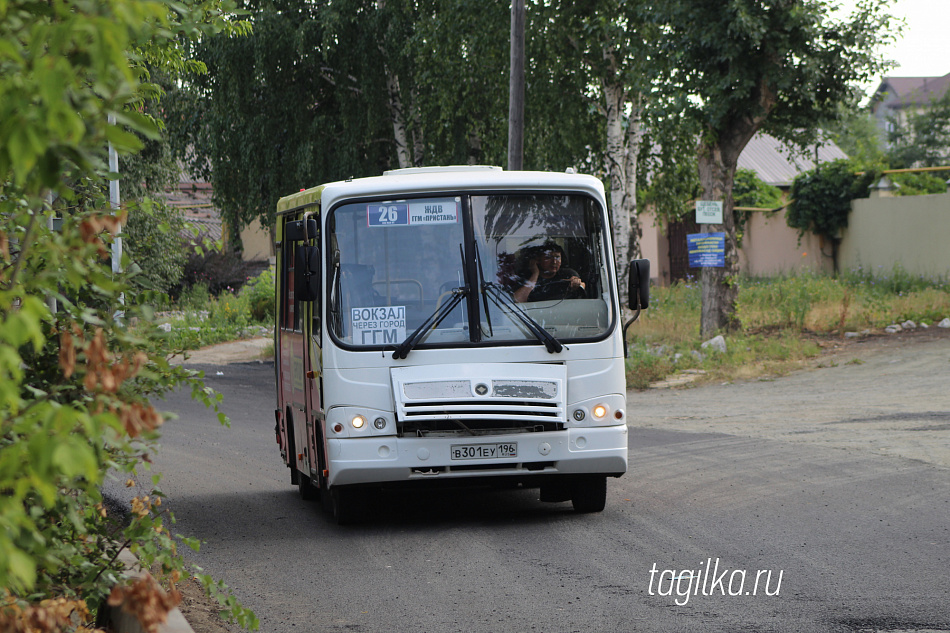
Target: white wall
913, 231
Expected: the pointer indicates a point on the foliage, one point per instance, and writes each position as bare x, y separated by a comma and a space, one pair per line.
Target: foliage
750, 191
855, 300
75, 382
435, 69
917, 184
220, 320
155, 244
248, 121
822, 198
261, 296
856, 133
789, 300
923, 138
667, 177
215, 269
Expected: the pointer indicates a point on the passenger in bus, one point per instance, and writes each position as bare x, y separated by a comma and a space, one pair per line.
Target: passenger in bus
542, 277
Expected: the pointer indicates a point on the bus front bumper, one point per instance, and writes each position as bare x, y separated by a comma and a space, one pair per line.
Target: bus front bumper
390, 459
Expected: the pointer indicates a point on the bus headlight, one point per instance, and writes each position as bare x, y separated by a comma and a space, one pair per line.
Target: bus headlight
600, 411
380, 423
358, 421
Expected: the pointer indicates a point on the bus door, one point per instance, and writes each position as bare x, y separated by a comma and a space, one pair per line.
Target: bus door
293, 361
313, 377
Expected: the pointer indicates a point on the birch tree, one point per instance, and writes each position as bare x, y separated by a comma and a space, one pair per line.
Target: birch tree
617, 47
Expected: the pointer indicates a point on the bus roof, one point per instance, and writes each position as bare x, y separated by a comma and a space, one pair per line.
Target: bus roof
302, 198
414, 180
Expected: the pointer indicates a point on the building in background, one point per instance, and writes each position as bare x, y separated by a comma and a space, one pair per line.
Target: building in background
193, 197
898, 97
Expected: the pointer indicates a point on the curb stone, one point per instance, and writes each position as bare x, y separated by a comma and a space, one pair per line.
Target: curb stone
122, 621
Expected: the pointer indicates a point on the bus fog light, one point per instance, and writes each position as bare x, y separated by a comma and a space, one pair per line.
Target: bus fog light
600, 411
358, 421
579, 414
379, 423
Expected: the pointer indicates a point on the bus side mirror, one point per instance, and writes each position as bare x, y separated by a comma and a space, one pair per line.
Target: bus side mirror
307, 273
293, 231
639, 284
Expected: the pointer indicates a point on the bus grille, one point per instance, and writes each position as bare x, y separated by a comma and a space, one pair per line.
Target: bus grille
499, 398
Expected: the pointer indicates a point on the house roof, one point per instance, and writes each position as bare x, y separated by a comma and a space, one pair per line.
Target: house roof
901, 92
776, 165
193, 197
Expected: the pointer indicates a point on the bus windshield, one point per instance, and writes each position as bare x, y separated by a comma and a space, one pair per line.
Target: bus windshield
394, 264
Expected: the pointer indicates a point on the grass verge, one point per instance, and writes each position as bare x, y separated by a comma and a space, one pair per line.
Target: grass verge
786, 320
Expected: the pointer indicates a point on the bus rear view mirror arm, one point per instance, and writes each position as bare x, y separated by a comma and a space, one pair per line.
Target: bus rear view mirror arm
638, 288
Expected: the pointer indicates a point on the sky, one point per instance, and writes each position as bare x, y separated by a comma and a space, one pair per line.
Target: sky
923, 49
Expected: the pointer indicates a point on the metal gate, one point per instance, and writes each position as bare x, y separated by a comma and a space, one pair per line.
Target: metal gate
679, 252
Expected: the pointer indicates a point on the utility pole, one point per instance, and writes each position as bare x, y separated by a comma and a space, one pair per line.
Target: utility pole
51, 225
114, 201
516, 89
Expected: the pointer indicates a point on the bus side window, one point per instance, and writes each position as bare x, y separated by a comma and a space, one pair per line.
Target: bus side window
289, 317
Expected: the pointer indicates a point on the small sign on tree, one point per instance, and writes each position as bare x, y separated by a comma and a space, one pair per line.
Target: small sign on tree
708, 212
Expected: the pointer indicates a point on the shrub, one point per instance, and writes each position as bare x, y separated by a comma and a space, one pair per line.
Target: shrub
822, 198
260, 295
154, 242
217, 270
912, 184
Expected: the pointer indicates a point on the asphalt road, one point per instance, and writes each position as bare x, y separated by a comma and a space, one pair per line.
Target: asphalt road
859, 539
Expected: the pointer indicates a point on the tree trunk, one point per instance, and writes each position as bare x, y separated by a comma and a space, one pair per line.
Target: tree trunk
634, 138
718, 159
398, 117
717, 170
474, 147
622, 149
418, 138
516, 88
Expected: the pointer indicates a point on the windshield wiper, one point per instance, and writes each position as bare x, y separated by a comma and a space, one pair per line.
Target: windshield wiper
481, 284
503, 301
334, 308
432, 322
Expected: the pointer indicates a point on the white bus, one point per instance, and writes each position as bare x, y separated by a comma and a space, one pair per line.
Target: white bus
451, 324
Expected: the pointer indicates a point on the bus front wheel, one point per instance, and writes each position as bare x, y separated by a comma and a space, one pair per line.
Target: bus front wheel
342, 504
589, 493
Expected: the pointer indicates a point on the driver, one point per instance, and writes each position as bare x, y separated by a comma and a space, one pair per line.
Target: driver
545, 279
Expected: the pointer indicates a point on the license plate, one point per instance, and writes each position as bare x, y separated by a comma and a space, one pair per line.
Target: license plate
485, 451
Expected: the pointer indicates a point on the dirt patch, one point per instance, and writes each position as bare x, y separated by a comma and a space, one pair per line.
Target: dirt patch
243, 351
845, 349
201, 612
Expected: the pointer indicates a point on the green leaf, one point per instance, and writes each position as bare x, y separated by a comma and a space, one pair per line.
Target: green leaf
22, 568
76, 459
122, 140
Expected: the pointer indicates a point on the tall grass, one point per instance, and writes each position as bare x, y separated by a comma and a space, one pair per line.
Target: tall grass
781, 317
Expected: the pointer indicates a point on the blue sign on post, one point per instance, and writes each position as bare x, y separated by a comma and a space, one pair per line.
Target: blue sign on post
706, 250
